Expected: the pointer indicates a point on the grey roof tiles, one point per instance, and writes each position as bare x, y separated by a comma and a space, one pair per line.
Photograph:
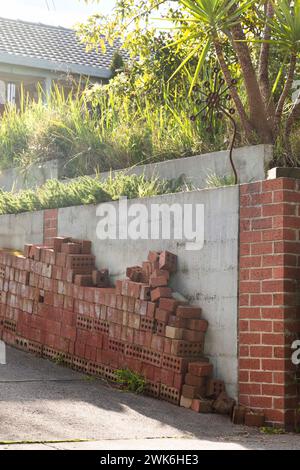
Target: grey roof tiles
49, 47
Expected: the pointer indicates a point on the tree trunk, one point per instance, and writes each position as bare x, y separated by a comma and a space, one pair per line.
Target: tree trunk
263, 69
248, 128
258, 114
286, 90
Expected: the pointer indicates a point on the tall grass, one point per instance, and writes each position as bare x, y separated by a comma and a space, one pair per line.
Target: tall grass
102, 133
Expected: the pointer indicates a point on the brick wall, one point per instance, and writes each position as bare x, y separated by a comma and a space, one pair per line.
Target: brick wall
269, 319
50, 225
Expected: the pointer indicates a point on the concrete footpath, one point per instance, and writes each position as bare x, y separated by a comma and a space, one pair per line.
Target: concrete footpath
48, 407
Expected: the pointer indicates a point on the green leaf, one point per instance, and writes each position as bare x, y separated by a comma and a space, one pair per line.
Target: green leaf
189, 56
200, 63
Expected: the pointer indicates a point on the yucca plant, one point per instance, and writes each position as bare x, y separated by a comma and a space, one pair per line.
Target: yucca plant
242, 36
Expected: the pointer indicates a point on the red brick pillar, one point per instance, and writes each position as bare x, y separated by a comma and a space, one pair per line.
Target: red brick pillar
50, 225
269, 297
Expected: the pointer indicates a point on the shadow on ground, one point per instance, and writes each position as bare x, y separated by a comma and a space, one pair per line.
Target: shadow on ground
41, 401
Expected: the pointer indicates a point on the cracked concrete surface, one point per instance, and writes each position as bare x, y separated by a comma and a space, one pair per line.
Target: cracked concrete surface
45, 406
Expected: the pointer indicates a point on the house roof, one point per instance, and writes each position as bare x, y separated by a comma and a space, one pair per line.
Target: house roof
50, 47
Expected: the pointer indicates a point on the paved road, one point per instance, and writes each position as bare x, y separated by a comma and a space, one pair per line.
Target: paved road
46, 406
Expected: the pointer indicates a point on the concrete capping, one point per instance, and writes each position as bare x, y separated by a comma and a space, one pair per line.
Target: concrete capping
284, 172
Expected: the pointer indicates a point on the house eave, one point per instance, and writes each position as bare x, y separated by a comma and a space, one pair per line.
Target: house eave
55, 67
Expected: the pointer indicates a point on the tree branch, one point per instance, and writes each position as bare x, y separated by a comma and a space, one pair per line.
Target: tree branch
286, 90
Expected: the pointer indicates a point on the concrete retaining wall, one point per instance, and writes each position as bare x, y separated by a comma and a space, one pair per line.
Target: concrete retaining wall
15, 179
250, 162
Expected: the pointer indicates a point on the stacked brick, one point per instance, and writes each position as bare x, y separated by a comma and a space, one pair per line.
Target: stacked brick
54, 303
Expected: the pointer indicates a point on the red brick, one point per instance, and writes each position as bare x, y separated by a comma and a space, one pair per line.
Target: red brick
261, 351
261, 248
245, 249
167, 377
278, 209
68, 332
162, 315
191, 379
168, 261
244, 351
261, 325
261, 299
250, 188
160, 292
151, 306
248, 313
191, 391
253, 364
158, 281
201, 369
273, 390
157, 343
279, 183
273, 339
280, 260
168, 304
261, 376
262, 198
262, 223
197, 325
50, 214
276, 313
250, 287
250, 389
261, 402
250, 237
244, 325
188, 312
250, 262
273, 364
282, 234
250, 212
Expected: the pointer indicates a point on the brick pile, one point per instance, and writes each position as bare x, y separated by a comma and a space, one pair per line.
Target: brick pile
56, 304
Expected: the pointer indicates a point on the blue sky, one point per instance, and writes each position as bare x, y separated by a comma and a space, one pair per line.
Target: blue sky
55, 12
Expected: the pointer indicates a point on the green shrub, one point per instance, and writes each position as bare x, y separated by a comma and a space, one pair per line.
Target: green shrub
85, 190
215, 181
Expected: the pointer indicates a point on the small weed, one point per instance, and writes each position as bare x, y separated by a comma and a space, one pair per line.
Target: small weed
130, 381
270, 430
59, 359
89, 378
